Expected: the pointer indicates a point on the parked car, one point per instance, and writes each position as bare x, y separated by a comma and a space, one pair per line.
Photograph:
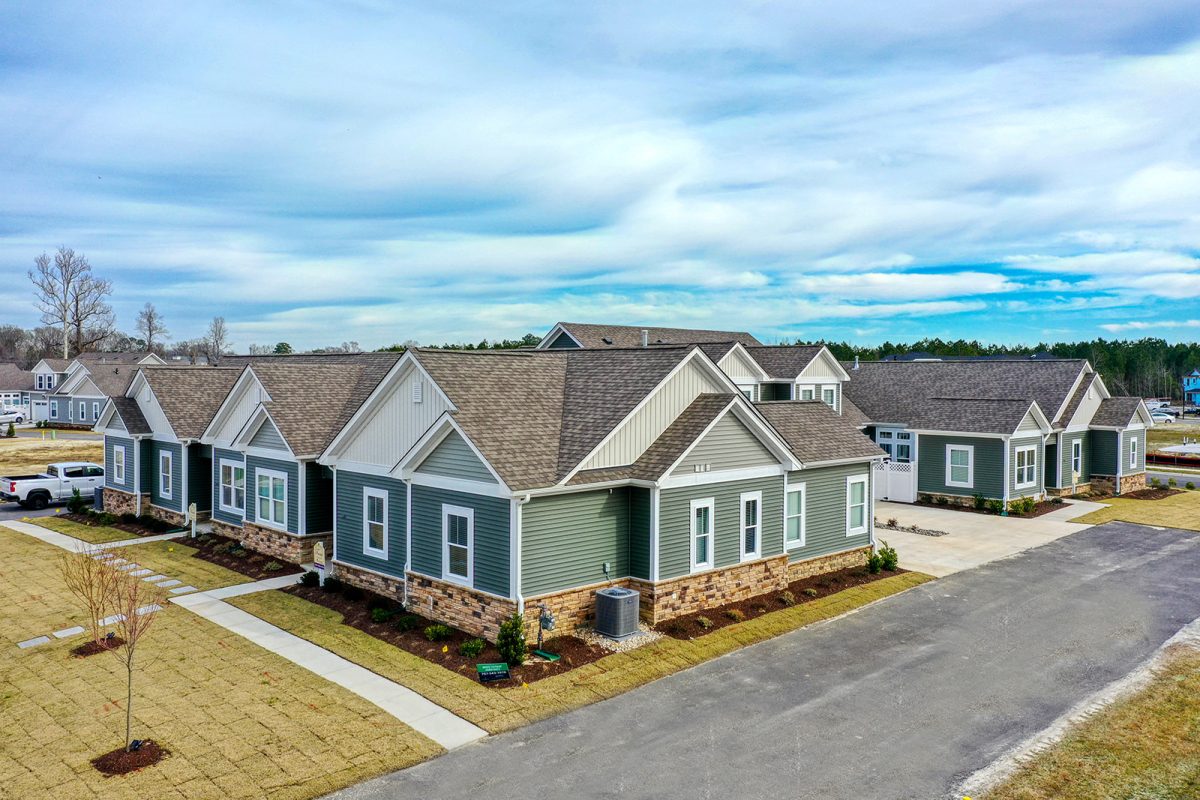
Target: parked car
1161, 417
57, 483
8, 415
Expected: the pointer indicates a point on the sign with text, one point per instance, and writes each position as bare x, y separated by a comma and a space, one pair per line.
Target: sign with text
492, 672
319, 560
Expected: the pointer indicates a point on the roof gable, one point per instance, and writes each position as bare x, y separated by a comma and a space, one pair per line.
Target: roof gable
235, 410
267, 437
592, 336
454, 458
727, 444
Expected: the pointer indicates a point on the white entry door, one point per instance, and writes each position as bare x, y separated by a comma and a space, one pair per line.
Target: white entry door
896, 481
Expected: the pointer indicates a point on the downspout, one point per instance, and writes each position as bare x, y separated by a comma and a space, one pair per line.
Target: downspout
1008, 477
1120, 460
517, 552
137, 473
407, 535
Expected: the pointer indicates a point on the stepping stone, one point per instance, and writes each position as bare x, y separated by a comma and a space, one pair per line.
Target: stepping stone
182, 589
103, 556
33, 642
115, 618
64, 633
154, 578
171, 582
126, 567
137, 573
150, 609
117, 561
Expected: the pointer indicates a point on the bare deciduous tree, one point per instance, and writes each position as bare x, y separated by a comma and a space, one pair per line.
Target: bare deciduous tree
150, 325
216, 340
92, 318
71, 298
135, 603
13, 342
92, 581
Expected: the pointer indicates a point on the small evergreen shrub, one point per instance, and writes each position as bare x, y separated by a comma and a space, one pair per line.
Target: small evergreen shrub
874, 563
272, 566
511, 641
310, 579
352, 593
334, 585
379, 614
995, 506
1189, 485
787, 599
1058, 501
12, 432
735, 614
471, 648
105, 518
1153, 483
980, 502
129, 519
942, 500
375, 601
406, 622
810, 592
438, 632
704, 622
889, 559
1172, 483
76, 504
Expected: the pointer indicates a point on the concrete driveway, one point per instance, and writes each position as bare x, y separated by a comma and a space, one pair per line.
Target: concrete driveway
972, 539
901, 700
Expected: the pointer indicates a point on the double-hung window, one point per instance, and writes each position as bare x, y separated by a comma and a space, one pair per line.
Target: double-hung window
793, 523
702, 534
458, 544
960, 465
95, 410
1026, 466
271, 488
751, 525
856, 505
233, 487
1077, 457
119, 465
82, 411
829, 397
375, 522
1133, 452
53, 409
166, 483
806, 394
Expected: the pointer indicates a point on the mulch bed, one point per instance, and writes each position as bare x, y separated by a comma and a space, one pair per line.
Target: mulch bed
223, 551
1152, 494
356, 613
803, 591
1043, 507
120, 762
94, 648
128, 527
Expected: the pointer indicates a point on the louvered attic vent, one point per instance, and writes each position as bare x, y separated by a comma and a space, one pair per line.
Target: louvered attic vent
417, 392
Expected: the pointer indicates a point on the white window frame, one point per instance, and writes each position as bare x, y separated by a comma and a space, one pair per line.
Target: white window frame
270, 521
1076, 457
969, 449
866, 505
53, 409
166, 488
1133, 452
371, 493
802, 488
1030, 466
711, 504
232, 508
82, 410
832, 395
119, 464
458, 511
806, 393
747, 497
95, 409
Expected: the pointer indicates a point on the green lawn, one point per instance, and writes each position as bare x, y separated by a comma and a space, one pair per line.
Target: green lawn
1179, 511
1144, 748
497, 710
95, 535
1171, 433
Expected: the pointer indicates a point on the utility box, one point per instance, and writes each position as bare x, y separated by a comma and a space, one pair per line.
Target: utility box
617, 612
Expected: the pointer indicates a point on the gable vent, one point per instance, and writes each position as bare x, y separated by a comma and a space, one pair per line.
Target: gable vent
418, 392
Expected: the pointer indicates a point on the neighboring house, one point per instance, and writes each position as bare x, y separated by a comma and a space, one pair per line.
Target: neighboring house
16, 384
267, 488
572, 335
47, 374
473, 485
1191, 388
90, 380
154, 460
1000, 429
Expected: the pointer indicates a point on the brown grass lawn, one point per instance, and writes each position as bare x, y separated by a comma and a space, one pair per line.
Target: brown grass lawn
97, 534
1172, 433
1145, 747
239, 721
497, 710
1178, 511
26, 456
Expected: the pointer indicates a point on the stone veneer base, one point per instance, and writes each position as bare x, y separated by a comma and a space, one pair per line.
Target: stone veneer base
477, 613
1133, 483
166, 515
119, 502
1069, 491
283, 545
371, 581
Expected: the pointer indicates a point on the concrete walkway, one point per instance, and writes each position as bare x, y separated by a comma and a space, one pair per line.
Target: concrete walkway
972, 539
65, 542
430, 719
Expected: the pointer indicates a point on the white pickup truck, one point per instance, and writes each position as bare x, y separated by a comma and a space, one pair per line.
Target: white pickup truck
58, 482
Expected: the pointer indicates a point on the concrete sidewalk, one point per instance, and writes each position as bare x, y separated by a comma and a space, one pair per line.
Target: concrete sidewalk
65, 542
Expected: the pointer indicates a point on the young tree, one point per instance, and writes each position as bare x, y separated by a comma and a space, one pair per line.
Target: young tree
283, 349
93, 582
150, 325
217, 340
134, 603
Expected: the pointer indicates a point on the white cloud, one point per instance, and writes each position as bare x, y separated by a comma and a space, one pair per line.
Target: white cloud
905, 285
1123, 327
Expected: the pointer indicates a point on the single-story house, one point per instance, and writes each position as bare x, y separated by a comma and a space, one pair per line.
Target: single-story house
90, 380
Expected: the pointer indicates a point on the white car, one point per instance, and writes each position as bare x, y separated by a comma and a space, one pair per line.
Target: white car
1160, 417
8, 415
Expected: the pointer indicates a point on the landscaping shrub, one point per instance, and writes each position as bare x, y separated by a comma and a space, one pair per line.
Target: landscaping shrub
811, 592
889, 559
942, 500
735, 614
154, 523
272, 566
704, 622
980, 502
333, 585
352, 593
12, 432
380, 614
676, 628
76, 504
893, 522
874, 563
471, 648
1153, 483
1058, 501
1171, 482
406, 622
511, 640
438, 632
995, 506
1189, 485
787, 599
129, 519
760, 608
310, 579
376, 601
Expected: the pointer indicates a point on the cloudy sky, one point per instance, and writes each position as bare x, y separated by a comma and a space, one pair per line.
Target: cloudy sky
317, 172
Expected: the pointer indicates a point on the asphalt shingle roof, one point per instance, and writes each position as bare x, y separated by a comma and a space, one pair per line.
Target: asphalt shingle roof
111, 358
131, 415
613, 336
1115, 412
815, 432
15, 379
190, 396
784, 362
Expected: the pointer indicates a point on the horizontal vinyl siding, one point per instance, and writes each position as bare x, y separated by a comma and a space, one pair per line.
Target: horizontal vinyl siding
1040, 455
318, 498
675, 523
111, 442
1064, 457
200, 476
989, 465
292, 470
1126, 436
349, 524
267, 436
729, 445
1103, 446
639, 532
217, 513
492, 523
825, 510
453, 458
175, 503
566, 540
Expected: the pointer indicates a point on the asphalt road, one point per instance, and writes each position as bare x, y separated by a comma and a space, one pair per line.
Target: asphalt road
902, 700
14, 511
1181, 478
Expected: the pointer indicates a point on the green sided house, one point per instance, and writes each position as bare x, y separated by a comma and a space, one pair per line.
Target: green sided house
472, 485
1000, 429
154, 460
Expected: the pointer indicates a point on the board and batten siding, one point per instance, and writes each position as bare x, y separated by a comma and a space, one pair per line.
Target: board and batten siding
738, 366
318, 498
989, 465
1065, 441
1126, 436
349, 529
111, 443
675, 523
236, 416
567, 539
175, 502
1039, 484
397, 423
268, 437
826, 512
1104, 450
453, 458
491, 542
647, 424
227, 517
728, 445
200, 476
289, 468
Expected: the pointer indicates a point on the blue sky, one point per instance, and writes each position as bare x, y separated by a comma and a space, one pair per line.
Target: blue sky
319, 172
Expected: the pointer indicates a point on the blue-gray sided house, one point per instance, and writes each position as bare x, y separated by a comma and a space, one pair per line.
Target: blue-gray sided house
89, 381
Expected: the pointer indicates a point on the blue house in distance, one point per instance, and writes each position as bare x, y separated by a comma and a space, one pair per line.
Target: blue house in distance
1191, 388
